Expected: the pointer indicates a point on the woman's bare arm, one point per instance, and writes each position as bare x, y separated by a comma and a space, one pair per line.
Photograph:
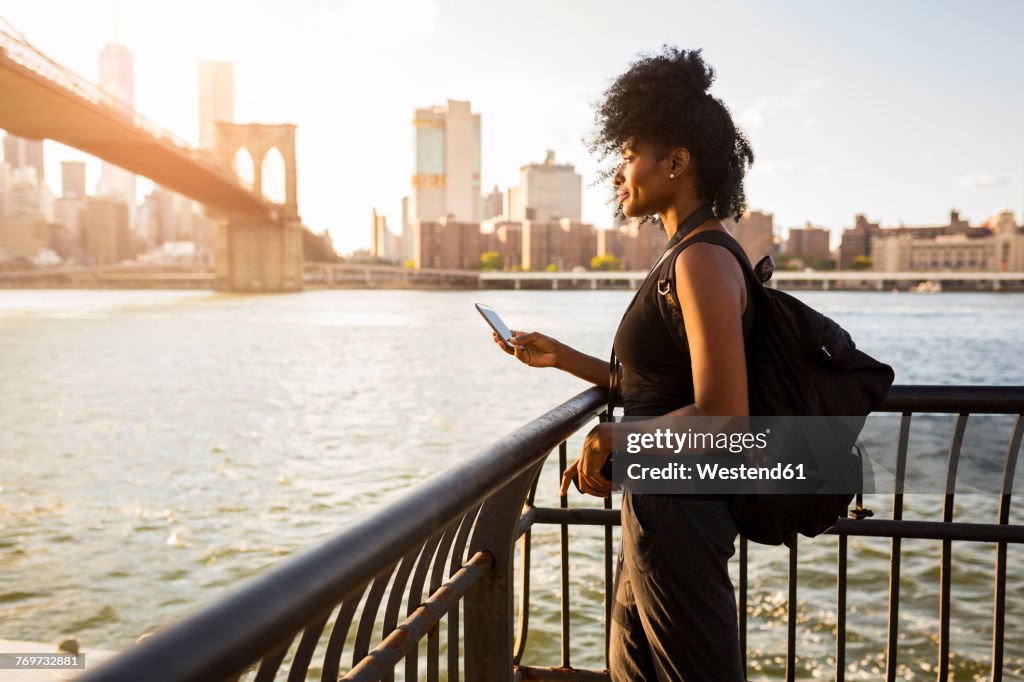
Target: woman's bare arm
538, 350
584, 366
710, 288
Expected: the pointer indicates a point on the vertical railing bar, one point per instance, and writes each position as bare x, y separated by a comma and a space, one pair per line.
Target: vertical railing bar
1009, 469
523, 627
270, 664
416, 598
441, 558
397, 593
743, 603
895, 548
609, 584
563, 503
306, 648
946, 560
841, 612
369, 617
791, 616
395, 599
999, 600
459, 551
339, 633
458, 557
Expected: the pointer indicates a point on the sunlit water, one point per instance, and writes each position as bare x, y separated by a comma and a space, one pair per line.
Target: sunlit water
159, 447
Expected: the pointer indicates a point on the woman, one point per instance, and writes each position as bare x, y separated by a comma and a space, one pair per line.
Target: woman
675, 612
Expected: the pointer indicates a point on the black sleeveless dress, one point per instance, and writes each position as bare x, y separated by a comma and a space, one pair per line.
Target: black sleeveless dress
656, 377
674, 613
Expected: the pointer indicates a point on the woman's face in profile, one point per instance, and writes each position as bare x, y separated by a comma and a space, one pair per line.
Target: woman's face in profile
641, 181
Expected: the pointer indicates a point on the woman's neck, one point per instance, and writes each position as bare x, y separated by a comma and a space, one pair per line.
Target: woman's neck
675, 214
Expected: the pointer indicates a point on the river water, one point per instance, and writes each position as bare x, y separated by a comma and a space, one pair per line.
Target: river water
159, 447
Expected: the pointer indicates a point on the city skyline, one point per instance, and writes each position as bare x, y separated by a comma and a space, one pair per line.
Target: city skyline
896, 147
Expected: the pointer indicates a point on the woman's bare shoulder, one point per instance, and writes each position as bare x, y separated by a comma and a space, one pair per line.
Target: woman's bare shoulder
705, 263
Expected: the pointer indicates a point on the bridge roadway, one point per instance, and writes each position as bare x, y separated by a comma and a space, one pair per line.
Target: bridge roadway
43, 100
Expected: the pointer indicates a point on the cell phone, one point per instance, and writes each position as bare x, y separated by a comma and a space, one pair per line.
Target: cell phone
496, 323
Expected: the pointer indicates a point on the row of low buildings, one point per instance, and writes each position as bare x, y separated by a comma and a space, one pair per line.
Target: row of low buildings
567, 244
560, 243
78, 228
995, 245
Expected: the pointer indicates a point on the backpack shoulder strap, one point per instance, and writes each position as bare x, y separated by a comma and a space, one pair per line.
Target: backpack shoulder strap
668, 270
671, 311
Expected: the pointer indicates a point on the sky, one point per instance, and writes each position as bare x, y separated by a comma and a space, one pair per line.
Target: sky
898, 110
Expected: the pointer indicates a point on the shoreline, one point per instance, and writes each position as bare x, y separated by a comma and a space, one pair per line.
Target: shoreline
318, 276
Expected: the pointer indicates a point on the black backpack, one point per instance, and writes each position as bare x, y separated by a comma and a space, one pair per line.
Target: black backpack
799, 363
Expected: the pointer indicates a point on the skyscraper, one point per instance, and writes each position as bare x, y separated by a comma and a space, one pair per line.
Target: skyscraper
21, 152
72, 175
216, 99
548, 191
117, 78
447, 171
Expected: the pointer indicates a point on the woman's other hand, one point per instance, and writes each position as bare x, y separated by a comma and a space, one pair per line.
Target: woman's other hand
596, 448
533, 348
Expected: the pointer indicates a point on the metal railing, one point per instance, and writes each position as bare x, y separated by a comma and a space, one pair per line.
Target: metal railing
370, 602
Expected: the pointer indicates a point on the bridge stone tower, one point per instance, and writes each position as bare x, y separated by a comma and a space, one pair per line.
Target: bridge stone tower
259, 251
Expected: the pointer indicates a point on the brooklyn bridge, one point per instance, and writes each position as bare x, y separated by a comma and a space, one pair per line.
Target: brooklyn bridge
257, 242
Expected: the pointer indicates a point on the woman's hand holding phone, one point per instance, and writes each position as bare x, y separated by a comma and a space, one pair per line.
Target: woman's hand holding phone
533, 348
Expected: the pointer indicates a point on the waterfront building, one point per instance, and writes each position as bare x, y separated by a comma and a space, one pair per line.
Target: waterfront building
755, 233
117, 78
859, 240
507, 240
448, 244
446, 180
67, 212
643, 244
996, 246
809, 241
579, 244
611, 242
72, 179
547, 191
23, 194
165, 216
106, 234
492, 204
21, 152
542, 244
23, 237
383, 244
216, 99
856, 241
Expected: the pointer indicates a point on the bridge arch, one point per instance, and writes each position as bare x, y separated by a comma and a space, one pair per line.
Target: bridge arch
258, 140
273, 176
244, 168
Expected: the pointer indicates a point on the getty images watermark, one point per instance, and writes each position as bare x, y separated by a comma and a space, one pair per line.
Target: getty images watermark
794, 455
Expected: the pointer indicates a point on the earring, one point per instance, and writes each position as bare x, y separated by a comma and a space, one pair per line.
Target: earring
671, 176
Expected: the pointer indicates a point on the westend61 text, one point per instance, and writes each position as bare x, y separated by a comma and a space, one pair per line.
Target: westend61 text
716, 472
667, 439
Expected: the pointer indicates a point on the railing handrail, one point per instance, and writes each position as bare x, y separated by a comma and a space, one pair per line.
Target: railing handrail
953, 399
265, 612
230, 634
